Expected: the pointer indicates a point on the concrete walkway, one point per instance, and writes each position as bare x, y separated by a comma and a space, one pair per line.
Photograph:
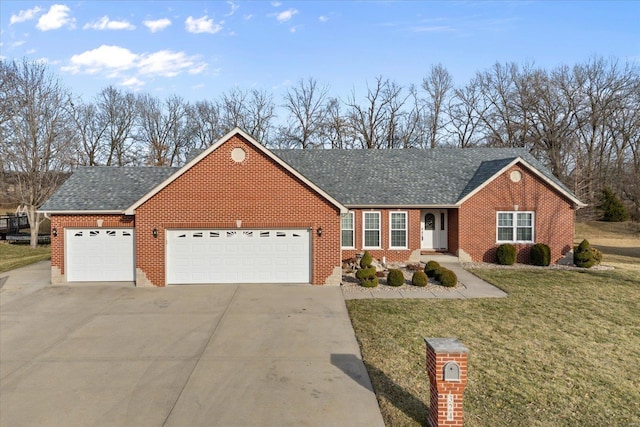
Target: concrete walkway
472, 286
210, 355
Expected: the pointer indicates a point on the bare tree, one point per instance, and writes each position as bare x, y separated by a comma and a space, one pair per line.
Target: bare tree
250, 111
35, 132
438, 83
205, 124
163, 129
117, 110
336, 128
90, 131
465, 112
306, 104
373, 122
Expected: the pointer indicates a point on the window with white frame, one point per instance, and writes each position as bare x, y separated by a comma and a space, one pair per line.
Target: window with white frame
398, 230
515, 227
347, 229
371, 226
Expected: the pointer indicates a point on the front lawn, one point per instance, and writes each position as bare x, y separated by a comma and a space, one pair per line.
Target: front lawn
18, 255
561, 350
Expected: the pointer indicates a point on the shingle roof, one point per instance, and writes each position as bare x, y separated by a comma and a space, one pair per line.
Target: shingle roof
104, 188
408, 177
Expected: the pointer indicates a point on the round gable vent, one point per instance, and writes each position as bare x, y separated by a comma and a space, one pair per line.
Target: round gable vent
238, 155
516, 176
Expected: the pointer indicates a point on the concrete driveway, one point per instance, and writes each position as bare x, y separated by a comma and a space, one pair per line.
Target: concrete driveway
212, 355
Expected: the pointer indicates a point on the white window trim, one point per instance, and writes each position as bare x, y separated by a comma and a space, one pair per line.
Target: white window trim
406, 230
514, 227
364, 240
353, 230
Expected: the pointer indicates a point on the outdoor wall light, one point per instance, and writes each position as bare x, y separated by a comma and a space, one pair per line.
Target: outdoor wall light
54, 232
155, 233
319, 231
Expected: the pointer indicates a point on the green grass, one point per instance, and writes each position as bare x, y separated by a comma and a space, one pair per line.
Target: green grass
18, 255
561, 350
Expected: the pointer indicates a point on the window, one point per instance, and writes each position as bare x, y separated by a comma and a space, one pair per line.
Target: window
515, 227
371, 226
347, 230
398, 229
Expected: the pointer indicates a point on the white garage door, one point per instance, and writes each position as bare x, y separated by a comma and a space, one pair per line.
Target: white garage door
99, 255
238, 256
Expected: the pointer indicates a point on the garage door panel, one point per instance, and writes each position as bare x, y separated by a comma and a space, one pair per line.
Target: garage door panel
238, 256
104, 255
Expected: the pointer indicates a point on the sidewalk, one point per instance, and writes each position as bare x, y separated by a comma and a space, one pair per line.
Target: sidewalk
471, 285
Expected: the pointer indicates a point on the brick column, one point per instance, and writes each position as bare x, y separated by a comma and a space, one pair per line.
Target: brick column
447, 370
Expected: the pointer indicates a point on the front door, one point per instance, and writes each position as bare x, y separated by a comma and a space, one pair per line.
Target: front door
434, 229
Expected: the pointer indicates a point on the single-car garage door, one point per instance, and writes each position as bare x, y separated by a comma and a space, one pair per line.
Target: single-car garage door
100, 255
238, 256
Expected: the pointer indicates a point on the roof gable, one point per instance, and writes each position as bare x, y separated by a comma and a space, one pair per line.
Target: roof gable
131, 209
441, 177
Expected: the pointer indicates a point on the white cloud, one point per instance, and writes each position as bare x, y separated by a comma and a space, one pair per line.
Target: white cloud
294, 28
286, 15
105, 23
323, 18
24, 15
133, 68
157, 25
167, 63
202, 25
17, 43
247, 17
432, 29
132, 82
104, 58
276, 4
233, 6
56, 17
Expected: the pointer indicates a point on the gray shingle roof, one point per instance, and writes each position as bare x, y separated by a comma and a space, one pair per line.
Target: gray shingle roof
104, 188
409, 177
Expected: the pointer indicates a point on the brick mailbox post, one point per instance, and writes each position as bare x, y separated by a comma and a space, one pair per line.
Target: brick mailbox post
447, 370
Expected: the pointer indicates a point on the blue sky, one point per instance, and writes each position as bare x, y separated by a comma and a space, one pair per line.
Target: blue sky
199, 49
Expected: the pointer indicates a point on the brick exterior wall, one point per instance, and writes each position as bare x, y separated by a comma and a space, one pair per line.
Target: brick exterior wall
553, 223
217, 192
61, 222
392, 255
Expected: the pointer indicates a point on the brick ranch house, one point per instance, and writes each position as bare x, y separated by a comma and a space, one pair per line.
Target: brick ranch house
241, 213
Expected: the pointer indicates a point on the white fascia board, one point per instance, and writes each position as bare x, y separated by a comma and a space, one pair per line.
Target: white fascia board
402, 206
531, 169
83, 212
237, 131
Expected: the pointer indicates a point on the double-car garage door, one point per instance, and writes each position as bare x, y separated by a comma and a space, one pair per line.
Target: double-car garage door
238, 256
193, 256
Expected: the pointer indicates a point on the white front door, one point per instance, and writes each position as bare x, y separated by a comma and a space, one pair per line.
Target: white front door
434, 229
238, 256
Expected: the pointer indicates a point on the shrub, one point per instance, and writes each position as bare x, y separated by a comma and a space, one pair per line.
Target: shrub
586, 256
365, 272
430, 268
611, 207
369, 282
419, 278
448, 279
540, 254
438, 272
395, 277
506, 254
366, 260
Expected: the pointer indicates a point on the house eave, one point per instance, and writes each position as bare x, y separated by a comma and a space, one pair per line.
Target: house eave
400, 206
82, 212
